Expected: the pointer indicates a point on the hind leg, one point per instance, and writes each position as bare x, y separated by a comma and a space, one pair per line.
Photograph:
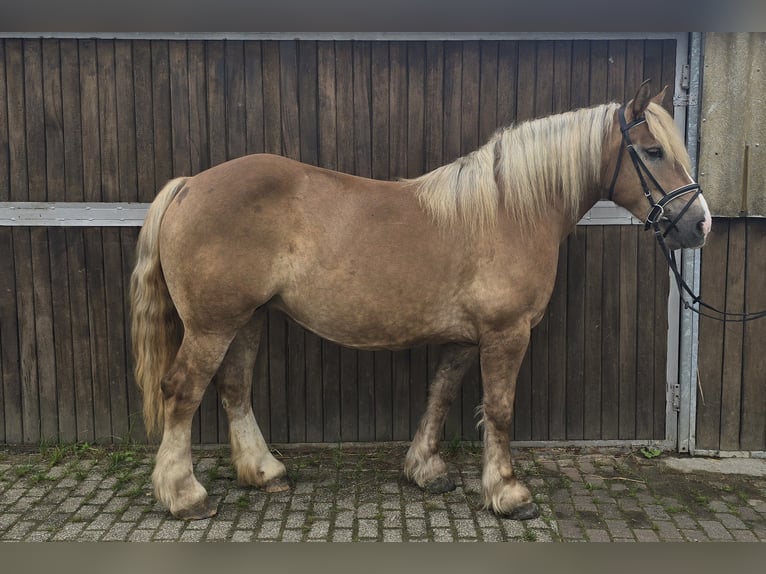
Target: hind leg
250, 455
423, 464
175, 485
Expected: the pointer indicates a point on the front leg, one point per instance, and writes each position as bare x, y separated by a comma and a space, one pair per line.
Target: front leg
501, 354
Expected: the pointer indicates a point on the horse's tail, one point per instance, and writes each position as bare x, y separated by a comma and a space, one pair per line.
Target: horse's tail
156, 329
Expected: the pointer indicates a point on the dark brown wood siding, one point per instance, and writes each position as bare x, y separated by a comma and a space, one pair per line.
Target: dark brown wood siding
112, 120
731, 396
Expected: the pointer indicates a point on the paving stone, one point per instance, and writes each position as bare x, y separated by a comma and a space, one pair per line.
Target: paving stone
744, 536
342, 535
656, 512
694, 535
718, 506
414, 509
119, 531
439, 519
597, 535
319, 529
570, 529
491, 535
292, 535
715, 530
170, 530
191, 535
513, 528
443, 535
143, 535
416, 527
645, 535
758, 505
270, 529
730, 521
368, 528
367, 510
617, 528
392, 535
668, 531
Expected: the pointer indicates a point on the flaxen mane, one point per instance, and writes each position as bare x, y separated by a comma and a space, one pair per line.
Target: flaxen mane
531, 167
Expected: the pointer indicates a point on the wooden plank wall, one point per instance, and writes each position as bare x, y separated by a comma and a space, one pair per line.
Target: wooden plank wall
731, 397
103, 120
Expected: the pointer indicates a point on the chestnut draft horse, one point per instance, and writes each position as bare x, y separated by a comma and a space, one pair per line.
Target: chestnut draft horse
463, 256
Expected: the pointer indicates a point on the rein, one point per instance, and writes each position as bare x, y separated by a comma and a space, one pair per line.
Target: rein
657, 214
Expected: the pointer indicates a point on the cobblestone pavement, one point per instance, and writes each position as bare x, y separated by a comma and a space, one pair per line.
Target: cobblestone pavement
81, 493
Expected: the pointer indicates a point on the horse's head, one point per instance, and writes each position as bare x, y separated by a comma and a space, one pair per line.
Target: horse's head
648, 170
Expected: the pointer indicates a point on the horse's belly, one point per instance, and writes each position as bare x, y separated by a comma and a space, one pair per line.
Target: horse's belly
376, 324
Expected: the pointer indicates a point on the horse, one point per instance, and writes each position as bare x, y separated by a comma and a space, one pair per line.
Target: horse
464, 256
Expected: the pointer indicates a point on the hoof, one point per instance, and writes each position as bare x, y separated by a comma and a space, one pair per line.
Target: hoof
203, 509
440, 485
524, 512
278, 484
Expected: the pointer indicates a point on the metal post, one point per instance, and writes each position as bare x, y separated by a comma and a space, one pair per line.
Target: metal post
690, 270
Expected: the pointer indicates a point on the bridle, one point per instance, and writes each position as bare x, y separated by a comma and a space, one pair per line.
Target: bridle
657, 214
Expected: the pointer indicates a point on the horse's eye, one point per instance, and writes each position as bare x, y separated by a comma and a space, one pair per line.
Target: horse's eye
654, 152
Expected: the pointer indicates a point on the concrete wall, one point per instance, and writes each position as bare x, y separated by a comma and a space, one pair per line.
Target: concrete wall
733, 117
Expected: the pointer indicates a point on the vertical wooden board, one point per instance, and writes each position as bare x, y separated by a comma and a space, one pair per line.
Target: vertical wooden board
539, 367
213, 422
142, 86
327, 157
34, 119
126, 121
54, 121
277, 325
236, 113
616, 72
452, 137
163, 127
363, 119
507, 80
5, 160
344, 101
137, 430
30, 393
115, 328
380, 136
527, 79
580, 80
94, 256
592, 319
434, 104
307, 95
668, 71
180, 117
327, 110
383, 402
17, 149
610, 347
261, 394
470, 396
522, 410
296, 345
661, 293
331, 391
296, 383
10, 357
599, 68
731, 390
349, 409
653, 64
288, 77
577, 297
711, 336
199, 149
416, 69
398, 104
254, 97
562, 77
91, 146
488, 91
43, 329
553, 413
645, 337
753, 427
81, 359
628, 321
107, 112
634, 66
543, 104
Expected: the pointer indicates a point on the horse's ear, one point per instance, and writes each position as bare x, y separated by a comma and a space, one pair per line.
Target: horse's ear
660, 98
637, 105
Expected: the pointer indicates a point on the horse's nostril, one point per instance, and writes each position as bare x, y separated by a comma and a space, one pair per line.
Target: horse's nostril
702, 226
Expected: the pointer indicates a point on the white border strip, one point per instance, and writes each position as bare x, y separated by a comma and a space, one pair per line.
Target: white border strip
341, 36
63, 214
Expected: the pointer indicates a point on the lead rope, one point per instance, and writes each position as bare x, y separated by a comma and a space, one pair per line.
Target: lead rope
656, 211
